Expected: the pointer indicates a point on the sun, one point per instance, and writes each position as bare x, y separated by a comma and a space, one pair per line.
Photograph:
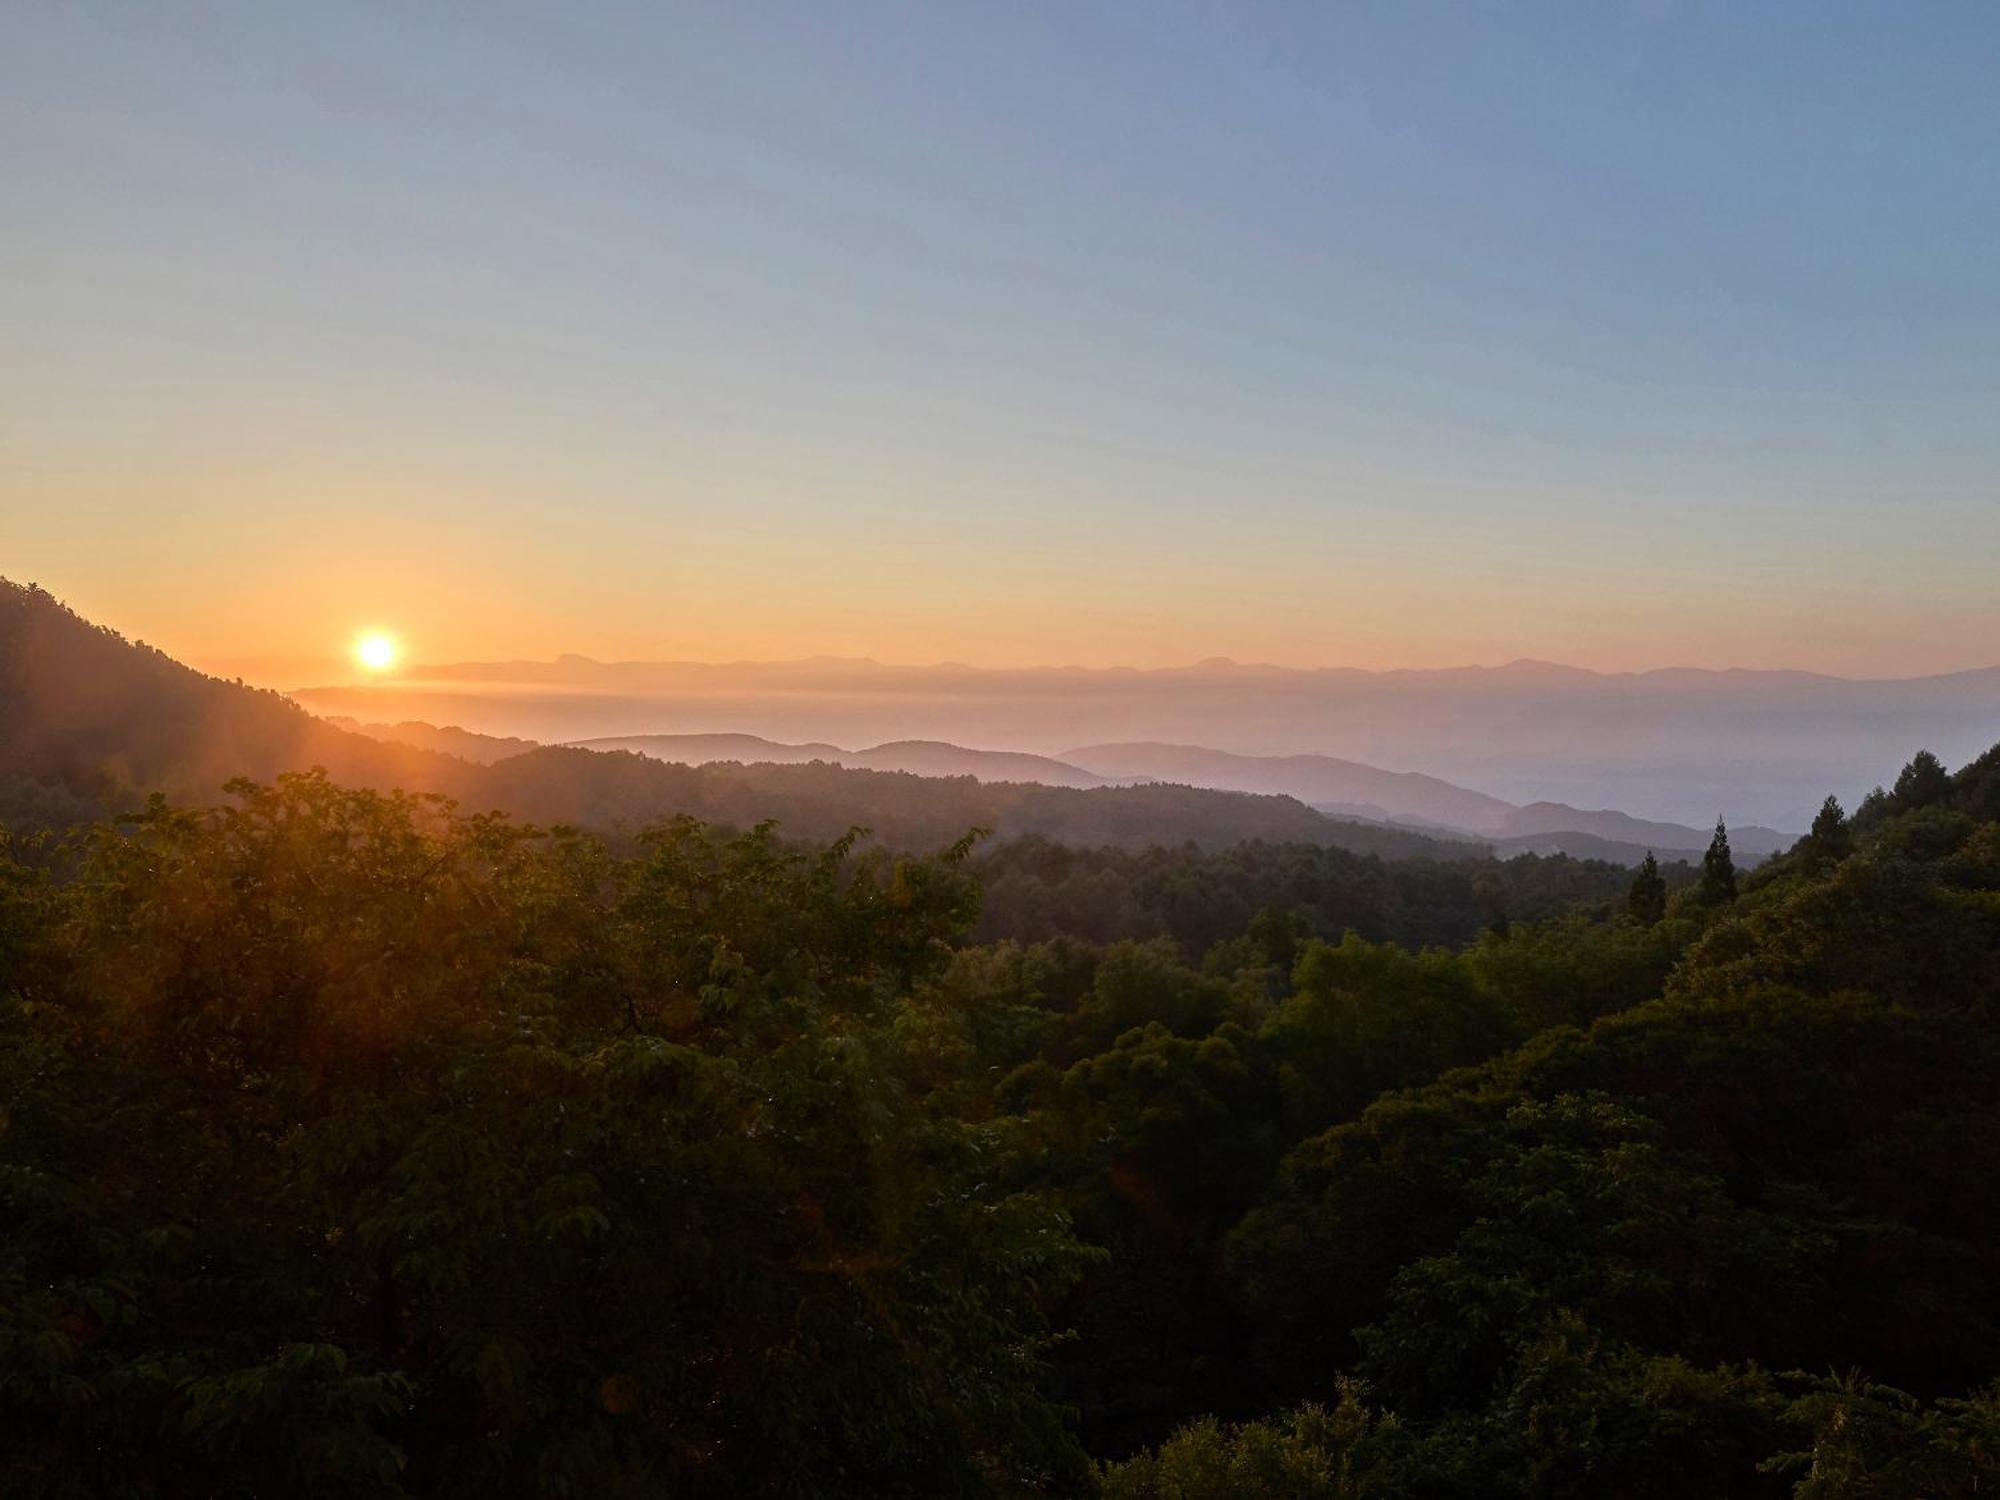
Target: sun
375, 651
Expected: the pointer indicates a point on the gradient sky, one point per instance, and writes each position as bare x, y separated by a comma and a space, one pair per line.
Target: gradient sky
1377, 335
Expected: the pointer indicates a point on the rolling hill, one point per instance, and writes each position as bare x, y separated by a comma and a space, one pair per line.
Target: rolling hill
1676, 746
1346, 791
918, 757
466, 745
86, 714
1319, 780
1348, 787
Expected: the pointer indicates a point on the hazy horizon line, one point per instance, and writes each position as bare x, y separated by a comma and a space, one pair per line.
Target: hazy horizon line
421, 674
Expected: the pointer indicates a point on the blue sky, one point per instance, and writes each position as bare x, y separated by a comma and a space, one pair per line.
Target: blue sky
1384, 335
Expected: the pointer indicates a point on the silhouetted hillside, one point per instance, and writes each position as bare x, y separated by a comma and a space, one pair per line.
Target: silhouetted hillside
700, 749
609, 789
1343, 790
1541, 818
935, 758
85, 710
920, 757
1316, 779
1345, 786
1678, 746
450, 739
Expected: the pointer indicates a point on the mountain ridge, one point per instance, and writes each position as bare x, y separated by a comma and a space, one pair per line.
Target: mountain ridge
1674, 745
1410, 800
1438, 804
109, 720
919, 757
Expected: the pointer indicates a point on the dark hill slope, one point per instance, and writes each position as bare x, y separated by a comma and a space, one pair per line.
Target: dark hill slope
84, 710
920, 757
449, 738
818, 800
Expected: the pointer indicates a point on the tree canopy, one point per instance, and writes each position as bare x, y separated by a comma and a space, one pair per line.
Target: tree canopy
357, 1144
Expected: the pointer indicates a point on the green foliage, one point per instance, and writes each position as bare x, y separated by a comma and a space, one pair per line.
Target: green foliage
1309, 1453
1571, 971
350, 1144
1871, 1442
358, 1146
1923, 783
1366, 1017
1201, 899
1787, 1162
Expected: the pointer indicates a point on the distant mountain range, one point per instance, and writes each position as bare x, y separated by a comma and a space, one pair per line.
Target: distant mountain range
1346, 787
481, 749
1675, 746
918, 757
86, 713
1320, 780
1338, 788
89, 720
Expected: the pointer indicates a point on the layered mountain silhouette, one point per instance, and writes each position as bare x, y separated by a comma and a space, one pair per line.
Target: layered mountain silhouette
466, 745
1675, 746
1347, 787
85, 714
1321, 780
1341, 789
918, 757
89, 720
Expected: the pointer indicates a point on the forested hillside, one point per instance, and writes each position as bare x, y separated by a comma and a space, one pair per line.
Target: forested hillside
1037, 888
1741, 1238
356, 1145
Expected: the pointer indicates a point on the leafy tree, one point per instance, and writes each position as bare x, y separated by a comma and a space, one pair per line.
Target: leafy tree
1365, 1017
355, 1146
1872, 1442
1923, 783
1976, 787
1312, 1452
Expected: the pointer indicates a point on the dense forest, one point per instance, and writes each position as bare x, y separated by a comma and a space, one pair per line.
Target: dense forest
362, 1142
1035, 888
355, 1144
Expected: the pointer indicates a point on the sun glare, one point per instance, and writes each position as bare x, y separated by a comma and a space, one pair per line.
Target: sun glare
375, 651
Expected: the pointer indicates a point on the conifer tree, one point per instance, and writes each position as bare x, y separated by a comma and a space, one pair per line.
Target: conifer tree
1718, 869
1831, 839
1647, 899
